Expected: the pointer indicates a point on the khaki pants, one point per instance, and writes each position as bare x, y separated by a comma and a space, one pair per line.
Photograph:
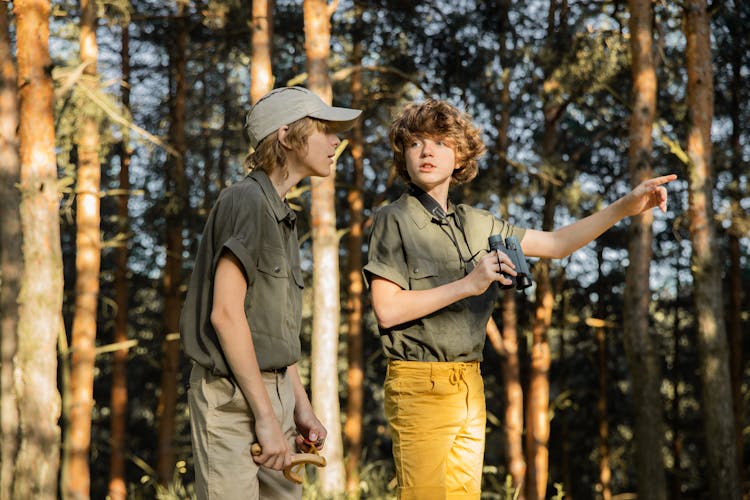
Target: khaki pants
222, 430
437, 416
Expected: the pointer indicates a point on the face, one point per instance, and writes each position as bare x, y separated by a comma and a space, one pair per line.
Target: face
318, 157
430, 162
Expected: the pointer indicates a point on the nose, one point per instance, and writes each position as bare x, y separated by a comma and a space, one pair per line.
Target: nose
335, 140
426, 148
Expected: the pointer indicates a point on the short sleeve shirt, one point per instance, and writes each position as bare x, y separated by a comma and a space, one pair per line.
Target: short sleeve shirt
411, 248
251, 221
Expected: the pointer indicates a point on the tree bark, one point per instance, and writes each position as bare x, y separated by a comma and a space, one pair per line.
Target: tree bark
735, 232
174, 211
119, 397
11, 255
325, 264
676, 442
513, 394
88, 258
355, 369
605, 472
41, 297
510, 363
537, 412
261, 74
642, 354
704, 261
537, 416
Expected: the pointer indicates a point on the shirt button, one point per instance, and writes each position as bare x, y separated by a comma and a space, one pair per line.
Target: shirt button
416, 270
276, 269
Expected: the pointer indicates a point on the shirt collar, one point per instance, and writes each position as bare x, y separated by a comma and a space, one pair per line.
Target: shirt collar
280, 208
420, 215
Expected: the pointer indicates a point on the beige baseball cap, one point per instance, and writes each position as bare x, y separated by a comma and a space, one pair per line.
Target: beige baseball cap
285, 105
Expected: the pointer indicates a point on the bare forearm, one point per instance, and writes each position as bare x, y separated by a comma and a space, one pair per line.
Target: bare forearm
301, 400
237, 344
566, 240
399, 306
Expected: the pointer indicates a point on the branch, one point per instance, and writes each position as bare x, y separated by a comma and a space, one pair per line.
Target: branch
531, 170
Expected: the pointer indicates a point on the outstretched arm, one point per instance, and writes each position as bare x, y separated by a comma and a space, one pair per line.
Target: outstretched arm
562, 242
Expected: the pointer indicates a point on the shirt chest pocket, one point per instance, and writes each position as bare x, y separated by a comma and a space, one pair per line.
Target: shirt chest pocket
423, 274
272, 263
274, 269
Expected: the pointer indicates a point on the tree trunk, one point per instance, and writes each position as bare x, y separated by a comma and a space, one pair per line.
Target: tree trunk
676, 442
41, 297
510, 363
119, 397
513, 394
11, 256
704, 260
227, 103
734, 311
261, 74
355, 369
605, 472
176, 183
537, 416
88, 258
642, 354
325, 265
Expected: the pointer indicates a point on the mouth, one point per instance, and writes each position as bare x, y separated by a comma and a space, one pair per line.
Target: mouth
426, 167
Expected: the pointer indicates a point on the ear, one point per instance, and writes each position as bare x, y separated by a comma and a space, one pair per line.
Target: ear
281, 135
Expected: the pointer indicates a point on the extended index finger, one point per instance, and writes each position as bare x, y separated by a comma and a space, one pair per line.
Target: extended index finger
658, 181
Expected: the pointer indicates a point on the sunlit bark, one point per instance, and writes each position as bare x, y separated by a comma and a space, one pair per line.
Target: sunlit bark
326, 315
510, 362
355, 369
11, 256
704, 261
119, 397
40, 300
643, 358
88, 257
261, 75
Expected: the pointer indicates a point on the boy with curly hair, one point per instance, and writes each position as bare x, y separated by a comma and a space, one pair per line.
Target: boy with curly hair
430, 273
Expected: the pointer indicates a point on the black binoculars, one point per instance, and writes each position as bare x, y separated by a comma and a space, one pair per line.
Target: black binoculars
512, 248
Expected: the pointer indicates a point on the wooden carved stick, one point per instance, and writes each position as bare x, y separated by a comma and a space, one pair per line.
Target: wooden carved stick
298, 460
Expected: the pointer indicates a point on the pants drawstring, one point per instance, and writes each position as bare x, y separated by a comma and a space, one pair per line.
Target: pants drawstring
456, 375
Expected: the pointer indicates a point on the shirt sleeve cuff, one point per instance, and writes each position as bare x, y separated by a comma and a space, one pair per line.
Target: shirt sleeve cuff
383, 271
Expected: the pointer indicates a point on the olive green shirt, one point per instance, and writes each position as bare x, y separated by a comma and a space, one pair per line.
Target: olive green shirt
252, 222
410, 247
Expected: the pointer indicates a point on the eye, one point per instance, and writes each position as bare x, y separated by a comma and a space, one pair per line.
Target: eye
414, 144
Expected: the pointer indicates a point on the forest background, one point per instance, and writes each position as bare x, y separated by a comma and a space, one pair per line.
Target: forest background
621, 373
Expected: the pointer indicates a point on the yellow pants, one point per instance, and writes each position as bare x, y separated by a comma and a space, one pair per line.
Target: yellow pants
437, 417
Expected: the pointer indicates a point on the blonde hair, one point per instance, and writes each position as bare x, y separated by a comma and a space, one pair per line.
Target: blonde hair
437, 119
270, 154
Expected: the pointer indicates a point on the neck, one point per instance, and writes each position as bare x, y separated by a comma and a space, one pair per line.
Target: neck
439, 193
281, 184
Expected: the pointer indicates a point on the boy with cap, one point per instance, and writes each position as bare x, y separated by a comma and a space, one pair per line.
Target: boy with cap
431, 273
240, 323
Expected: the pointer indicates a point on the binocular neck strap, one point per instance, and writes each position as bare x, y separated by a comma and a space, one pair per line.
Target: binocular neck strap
429, 203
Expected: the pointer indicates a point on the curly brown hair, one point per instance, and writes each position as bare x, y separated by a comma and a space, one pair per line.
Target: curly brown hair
434, 119
270, 154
